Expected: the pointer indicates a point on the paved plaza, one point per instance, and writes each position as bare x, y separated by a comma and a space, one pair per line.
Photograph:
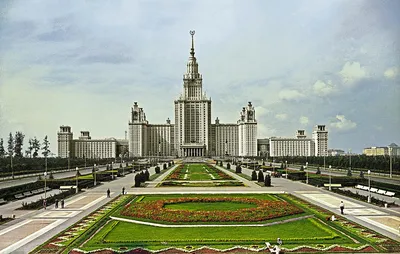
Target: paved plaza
32, 228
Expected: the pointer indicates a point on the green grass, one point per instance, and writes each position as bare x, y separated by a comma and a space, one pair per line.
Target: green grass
200, 206
198, 172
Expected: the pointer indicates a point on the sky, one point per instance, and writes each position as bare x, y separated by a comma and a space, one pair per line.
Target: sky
300, 62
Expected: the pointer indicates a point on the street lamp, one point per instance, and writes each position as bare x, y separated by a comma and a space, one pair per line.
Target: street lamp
369, 186
306, 172
390, 159
112, 170
68, 159
330, 178
286, 168
12, 168
94, 173
45, 190
77, 179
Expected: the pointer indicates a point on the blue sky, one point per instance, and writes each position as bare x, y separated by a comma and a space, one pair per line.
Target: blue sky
301, 63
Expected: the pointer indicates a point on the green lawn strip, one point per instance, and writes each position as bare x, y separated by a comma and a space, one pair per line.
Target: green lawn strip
345, 230
247, 177
134, 235
155, 176
198, 172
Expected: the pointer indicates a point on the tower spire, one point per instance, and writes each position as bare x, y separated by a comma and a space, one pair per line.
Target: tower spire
192, 32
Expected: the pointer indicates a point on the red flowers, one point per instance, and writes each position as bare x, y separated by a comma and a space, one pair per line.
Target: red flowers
265, 210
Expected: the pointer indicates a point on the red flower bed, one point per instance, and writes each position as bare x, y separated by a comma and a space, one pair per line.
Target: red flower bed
265, 210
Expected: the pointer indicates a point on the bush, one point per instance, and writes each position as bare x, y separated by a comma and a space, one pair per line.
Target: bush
349, 173
260, 176
267, 181
157, 169
282, 166
318, 171
301, 168
297, 175
139, 179
254, 176
361, 174
147, 175
238, 169
164, 166
228, 166
263, 163
51, 176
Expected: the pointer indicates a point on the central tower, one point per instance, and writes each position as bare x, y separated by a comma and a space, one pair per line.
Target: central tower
192, 112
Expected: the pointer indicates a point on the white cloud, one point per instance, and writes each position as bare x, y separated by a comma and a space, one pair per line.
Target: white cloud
343, 124
303, 120
322, 89
287, 94
261, 111
281, 116
352, 71
392, 72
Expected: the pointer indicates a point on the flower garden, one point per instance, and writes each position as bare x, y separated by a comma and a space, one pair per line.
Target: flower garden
198, 175
213, 223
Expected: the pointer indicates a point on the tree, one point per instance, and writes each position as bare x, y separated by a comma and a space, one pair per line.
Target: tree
10, 147
35, 147
46, 146
2, 151
301, 168
19, 141
238, 169
254, 175
318, 171
361, 174
267, 181
164, 166
138, 179
157, 169
263, 163
147, 175
228, 166
260, 176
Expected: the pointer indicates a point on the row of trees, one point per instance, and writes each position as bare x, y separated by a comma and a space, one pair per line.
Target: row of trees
378, 163
15, 145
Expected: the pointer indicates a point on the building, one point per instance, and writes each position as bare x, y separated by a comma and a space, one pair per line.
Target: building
300, 145
192, 134
391, 149
87, 147
336, 152
263, 147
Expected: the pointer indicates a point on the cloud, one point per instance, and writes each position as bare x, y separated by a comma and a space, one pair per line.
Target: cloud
343, 124
352, 71
289, 95
303, 120
323, 89
281, 116
392, 72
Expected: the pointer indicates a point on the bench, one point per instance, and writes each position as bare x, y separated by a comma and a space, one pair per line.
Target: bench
27, 193
382, 192
37, 191
67, 187
2, 201
390, 194
375, 190
333, 185
18, 196
365, 188
358, 186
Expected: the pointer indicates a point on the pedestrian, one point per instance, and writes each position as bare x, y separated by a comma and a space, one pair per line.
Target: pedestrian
62, 203
123, 190
108, 193
341, 207
56, 204
44, 203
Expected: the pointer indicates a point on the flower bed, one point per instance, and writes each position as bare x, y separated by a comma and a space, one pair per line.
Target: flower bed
265, 210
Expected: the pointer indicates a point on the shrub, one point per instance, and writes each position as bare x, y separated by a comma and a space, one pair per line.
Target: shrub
267, 180
361, 174
78, 173
238, 169
157, 169
228, 166
282, 166
349, 173
318, 171
51, 176
301, 168
139, 179
270, 164
254, 176
263, 163
147, 175
120, 165
164, 166
260, 176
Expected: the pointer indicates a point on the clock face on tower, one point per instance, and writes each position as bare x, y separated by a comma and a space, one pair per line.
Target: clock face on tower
250, 115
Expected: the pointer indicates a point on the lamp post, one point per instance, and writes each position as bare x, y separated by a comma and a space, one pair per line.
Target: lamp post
94, 175
286, 168
306, 172
77, 179
68, 158
350, 157
45, 190
12, 168
390, 160
330, 178
123, 169
369, 186
112, 170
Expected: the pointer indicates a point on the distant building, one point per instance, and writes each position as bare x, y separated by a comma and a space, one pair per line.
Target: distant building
87, 147
300, 145
263, 147
336, 152
391, 149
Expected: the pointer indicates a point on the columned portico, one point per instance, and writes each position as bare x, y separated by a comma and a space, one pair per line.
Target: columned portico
193, 151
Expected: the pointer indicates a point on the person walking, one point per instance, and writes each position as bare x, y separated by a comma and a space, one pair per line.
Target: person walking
62, 203
123, 190
56, 204
341, 207
108, 193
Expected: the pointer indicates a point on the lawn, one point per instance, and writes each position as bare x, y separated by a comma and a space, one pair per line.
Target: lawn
197, 172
